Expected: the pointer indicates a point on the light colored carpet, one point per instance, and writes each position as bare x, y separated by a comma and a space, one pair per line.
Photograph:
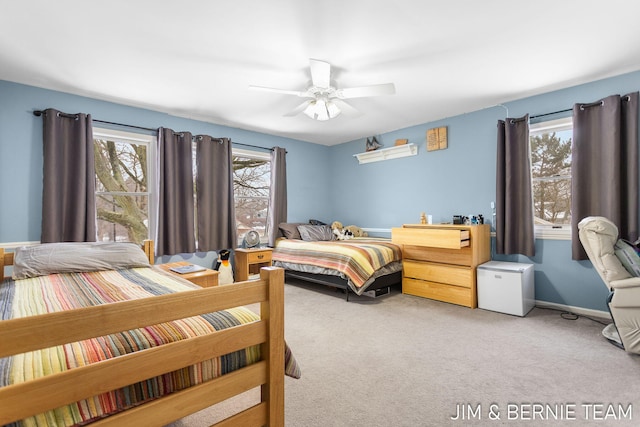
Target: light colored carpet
400, 360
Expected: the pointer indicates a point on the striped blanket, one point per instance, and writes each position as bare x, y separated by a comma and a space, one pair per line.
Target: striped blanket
66, 291
357, 259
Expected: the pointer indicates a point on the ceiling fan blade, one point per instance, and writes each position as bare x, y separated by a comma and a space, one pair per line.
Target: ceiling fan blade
320, 73
299, 109
362, 91
345, 108
301, 94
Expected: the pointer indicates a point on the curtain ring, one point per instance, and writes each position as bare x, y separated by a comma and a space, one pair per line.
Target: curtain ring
595, 104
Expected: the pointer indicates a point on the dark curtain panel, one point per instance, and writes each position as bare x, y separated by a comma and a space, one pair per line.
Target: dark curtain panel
214, 194
278, 196
514, 201
68, 194
604, 168
175, 233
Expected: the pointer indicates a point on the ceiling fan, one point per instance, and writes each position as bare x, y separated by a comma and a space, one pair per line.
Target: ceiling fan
326, 101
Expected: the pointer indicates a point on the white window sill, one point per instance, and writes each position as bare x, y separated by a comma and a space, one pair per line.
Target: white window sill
553, 233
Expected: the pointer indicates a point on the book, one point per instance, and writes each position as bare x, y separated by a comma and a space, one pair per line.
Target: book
184, 269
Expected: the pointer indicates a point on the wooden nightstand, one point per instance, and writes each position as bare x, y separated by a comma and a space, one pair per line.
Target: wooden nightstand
204, 278
249, 261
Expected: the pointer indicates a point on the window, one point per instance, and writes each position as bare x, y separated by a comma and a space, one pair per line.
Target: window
251, 187
550, 143
122, 162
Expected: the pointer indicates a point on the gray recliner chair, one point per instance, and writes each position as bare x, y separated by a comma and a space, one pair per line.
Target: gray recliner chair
598, 236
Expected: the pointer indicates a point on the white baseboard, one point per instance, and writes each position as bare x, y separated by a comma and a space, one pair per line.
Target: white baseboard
577, 310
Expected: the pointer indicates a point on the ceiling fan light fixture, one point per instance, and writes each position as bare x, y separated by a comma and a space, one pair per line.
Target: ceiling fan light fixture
322, 110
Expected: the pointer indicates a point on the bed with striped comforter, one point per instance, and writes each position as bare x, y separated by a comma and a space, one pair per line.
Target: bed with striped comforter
58, 292
359, 260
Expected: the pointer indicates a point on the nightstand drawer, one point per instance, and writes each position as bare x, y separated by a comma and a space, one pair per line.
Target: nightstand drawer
259, 256
452, 275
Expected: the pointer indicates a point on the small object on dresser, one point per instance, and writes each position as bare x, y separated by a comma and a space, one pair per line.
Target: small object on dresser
459, 219
184, 269
423, 218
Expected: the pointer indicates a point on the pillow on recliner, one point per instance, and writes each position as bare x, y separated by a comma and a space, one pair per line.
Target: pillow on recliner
628, 256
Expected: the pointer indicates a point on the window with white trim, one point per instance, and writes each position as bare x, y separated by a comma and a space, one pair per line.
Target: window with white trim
122, 162
251, 188
550, 144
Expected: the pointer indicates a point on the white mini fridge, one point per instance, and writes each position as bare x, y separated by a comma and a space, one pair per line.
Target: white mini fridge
506, 287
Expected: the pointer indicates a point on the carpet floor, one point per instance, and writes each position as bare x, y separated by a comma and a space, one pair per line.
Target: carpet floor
400, 360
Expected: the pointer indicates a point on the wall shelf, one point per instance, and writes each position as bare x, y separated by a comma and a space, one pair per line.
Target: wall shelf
395, 152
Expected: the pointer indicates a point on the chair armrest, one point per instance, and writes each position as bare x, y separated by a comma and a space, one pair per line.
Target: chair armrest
630, 282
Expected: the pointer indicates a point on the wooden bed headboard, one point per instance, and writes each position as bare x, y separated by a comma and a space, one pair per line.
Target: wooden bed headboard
6, 258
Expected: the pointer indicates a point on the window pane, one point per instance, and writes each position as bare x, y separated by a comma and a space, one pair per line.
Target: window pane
121, 171
552, 201
120, 166
251, 182
551, 172
122, 218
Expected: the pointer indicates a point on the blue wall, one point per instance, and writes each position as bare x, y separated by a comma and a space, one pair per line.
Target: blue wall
21, 155
461, 180
458, 180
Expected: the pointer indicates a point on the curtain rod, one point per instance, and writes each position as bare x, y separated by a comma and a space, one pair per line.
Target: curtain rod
549, 114
38, 113
582, 107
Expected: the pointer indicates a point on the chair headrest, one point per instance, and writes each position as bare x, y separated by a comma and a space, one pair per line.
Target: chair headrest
598, 236
600, 225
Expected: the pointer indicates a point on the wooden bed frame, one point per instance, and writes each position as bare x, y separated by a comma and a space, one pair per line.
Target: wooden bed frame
38, 332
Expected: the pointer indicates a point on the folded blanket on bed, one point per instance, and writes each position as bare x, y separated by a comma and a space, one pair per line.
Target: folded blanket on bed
356, 259
58, 292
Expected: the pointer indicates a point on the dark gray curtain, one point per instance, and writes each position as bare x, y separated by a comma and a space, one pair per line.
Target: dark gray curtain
214, 194
175, 233
68, 194
514, 201
604, 168
278, 196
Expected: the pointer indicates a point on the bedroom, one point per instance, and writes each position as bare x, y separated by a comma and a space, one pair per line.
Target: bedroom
332, 185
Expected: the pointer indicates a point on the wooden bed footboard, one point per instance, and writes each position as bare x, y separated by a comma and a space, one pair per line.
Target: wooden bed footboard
38, 332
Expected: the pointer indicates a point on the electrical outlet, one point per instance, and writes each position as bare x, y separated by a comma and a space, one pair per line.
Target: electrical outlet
493, 205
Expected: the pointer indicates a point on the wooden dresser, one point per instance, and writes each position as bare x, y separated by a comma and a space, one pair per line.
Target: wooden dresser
439, 260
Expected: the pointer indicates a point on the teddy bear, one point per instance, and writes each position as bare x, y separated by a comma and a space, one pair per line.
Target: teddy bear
223, 266
348, 232
339, 231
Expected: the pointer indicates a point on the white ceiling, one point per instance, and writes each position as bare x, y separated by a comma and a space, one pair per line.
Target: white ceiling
196, 58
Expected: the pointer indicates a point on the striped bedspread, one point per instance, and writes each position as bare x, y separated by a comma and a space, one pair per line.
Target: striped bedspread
59, 292
357, 259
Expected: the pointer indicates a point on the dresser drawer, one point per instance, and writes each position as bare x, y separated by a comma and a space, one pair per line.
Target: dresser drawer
440, 292
462, 256
431, 237
452, 275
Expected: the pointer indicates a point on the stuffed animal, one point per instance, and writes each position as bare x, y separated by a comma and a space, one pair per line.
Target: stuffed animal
339, 232
356, 231
336, 228
223, 266
348, 232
